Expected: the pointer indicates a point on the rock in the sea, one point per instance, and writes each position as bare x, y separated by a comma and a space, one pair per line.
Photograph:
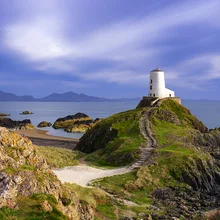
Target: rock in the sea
26, 113
44, 124
19, 125
4, 114
79, 122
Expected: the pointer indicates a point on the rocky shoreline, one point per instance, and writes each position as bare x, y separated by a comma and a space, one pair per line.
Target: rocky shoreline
78, 123
17, 125
4, 114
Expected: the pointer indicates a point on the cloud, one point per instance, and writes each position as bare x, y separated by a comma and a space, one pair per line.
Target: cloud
44, 41
36, 40
57, 67
197, 72
42, 37
120, 77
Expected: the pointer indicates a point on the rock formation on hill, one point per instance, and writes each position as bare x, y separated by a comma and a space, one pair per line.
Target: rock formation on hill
18, 125
44, 124
79, 122
28, 188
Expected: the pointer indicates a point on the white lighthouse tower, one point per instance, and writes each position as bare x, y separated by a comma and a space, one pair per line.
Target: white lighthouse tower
157, 86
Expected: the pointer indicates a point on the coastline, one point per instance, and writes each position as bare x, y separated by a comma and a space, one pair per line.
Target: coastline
41, 138
37, 133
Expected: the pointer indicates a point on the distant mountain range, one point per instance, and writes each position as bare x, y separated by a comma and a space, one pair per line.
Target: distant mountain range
65, 97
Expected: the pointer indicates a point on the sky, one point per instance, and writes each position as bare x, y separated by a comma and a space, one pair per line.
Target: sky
107, 48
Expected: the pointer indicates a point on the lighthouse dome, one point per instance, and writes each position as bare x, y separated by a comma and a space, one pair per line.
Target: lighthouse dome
157, 70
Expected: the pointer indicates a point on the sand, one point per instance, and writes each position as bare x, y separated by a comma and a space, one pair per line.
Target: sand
83, 174
37, 133
41, 138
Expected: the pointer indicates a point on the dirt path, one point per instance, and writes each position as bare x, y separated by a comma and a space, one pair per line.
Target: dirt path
83, 174
147, 133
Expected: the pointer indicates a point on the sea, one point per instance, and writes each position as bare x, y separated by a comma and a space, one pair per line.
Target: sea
207, 111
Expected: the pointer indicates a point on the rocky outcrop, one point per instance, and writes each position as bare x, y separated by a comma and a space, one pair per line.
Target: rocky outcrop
19, 125
96, 138
172, 112
79, 122
4, 114
44, 124
26, 113
82, 126
24, 174
115, 141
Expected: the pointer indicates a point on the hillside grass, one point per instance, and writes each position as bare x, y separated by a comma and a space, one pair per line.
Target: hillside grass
30, 208
184, 115
59, 157
102, 204
123, 149
174, 155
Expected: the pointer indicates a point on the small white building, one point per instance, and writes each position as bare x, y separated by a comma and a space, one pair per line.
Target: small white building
157, 86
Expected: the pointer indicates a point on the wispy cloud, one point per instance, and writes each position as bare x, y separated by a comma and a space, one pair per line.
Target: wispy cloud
56, 67
195, 72
114, 76
42, 38
36, 40
131, 42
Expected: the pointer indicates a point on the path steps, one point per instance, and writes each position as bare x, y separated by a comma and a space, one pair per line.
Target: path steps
147, 133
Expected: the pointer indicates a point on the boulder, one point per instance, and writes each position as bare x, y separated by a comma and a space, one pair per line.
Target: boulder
20, 125
44, 124
26, 113
79, 122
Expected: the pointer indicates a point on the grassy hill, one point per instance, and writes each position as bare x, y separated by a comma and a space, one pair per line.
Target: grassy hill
114, 141
183, 178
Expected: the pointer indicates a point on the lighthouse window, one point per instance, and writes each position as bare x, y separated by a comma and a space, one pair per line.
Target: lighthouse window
150, 87
151, 81
154, 95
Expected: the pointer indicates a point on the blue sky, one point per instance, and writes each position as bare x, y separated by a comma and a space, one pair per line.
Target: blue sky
107, 48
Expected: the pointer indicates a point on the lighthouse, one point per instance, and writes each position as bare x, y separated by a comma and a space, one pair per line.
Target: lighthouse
157, 86
157, 92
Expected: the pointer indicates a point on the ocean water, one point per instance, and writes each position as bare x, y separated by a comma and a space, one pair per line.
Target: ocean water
206, 111
51, 111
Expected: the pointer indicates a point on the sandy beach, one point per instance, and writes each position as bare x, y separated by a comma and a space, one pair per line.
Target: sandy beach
41, 138
37, 133
83, 174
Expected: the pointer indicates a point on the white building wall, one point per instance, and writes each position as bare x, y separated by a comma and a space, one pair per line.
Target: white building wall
169, 93
157, 85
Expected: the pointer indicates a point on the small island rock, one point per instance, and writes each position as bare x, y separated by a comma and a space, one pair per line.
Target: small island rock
26, 113
4, 114
79, 122
19, 125
44, 124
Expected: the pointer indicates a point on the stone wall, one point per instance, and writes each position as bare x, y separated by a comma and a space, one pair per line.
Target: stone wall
147, 101
176, 99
